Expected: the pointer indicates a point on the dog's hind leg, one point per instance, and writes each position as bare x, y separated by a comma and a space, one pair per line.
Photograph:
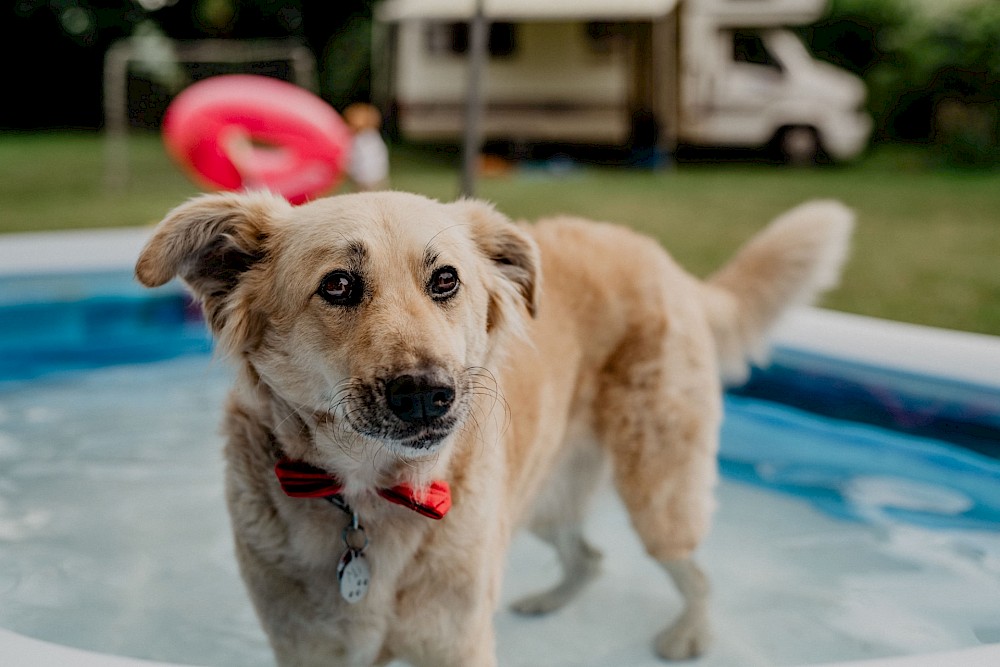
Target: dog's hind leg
558, 520
689, 635
671, 520
658, 415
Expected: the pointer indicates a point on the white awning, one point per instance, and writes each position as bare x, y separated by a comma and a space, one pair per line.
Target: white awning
526, 10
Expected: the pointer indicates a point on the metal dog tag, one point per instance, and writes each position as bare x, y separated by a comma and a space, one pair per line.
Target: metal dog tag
353, 574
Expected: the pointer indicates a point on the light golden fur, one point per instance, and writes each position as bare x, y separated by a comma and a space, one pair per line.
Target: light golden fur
568, 344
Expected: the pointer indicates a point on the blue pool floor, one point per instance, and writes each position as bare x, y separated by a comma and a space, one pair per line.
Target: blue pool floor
833, 541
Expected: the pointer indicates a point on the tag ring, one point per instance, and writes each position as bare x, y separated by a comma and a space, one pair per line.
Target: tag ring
352, 533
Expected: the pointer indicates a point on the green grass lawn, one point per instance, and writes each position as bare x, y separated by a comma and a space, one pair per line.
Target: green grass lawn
927, 248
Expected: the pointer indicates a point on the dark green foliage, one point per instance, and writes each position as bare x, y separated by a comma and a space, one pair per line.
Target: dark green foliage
933, 71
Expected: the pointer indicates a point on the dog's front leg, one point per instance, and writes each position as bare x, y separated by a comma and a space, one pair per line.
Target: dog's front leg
444, 612
300, 623
449, 624
473, 644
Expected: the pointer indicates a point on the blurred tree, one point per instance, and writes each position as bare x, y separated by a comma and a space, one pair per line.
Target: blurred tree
53, 50
852, 35
53, 53
857, 35
949, 75
933, 70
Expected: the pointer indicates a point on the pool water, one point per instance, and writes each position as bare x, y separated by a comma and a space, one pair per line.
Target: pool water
833, 540
855, 529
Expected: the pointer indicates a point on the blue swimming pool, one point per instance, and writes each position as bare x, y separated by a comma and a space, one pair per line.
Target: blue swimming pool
853, 497
54, 323
58, 322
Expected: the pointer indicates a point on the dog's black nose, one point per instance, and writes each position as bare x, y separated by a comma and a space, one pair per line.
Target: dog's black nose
415, 398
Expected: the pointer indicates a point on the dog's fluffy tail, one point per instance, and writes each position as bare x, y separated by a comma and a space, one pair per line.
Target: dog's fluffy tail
791, 262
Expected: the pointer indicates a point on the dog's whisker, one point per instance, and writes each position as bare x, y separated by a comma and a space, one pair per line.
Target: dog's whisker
484, 380
497, 399
474, 430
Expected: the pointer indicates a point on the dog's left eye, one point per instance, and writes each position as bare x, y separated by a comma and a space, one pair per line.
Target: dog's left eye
444, 283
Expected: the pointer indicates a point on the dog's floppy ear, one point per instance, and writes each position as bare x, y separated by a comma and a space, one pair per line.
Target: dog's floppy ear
513, 255
209, 242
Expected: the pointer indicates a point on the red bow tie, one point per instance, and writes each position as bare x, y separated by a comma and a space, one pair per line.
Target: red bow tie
301, 480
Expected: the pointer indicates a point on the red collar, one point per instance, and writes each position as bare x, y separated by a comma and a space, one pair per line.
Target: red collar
298, 479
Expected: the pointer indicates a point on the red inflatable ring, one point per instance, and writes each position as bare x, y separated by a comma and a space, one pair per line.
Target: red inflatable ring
247, 131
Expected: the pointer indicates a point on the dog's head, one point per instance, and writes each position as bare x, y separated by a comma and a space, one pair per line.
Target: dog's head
381, 312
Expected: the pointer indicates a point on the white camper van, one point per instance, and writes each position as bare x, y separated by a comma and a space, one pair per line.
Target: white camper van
622, 72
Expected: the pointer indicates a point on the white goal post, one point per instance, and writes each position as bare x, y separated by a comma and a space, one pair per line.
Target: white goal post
131, 51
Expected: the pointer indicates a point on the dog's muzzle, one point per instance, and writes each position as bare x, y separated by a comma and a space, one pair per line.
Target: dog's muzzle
414, 410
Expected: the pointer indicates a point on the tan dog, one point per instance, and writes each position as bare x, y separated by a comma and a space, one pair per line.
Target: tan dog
399, 344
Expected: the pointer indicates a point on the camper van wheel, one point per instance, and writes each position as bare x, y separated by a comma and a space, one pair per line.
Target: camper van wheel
799, 145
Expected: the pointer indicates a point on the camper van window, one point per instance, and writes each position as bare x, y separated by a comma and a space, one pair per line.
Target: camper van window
748, 47
453, 39
604, 36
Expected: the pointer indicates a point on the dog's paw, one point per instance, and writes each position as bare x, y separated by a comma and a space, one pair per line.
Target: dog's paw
541, 603
582, 571
688, 638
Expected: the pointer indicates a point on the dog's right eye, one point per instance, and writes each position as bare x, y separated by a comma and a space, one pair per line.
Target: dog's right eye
341, 288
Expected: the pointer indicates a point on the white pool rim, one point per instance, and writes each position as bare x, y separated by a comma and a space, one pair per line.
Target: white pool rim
967, 357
